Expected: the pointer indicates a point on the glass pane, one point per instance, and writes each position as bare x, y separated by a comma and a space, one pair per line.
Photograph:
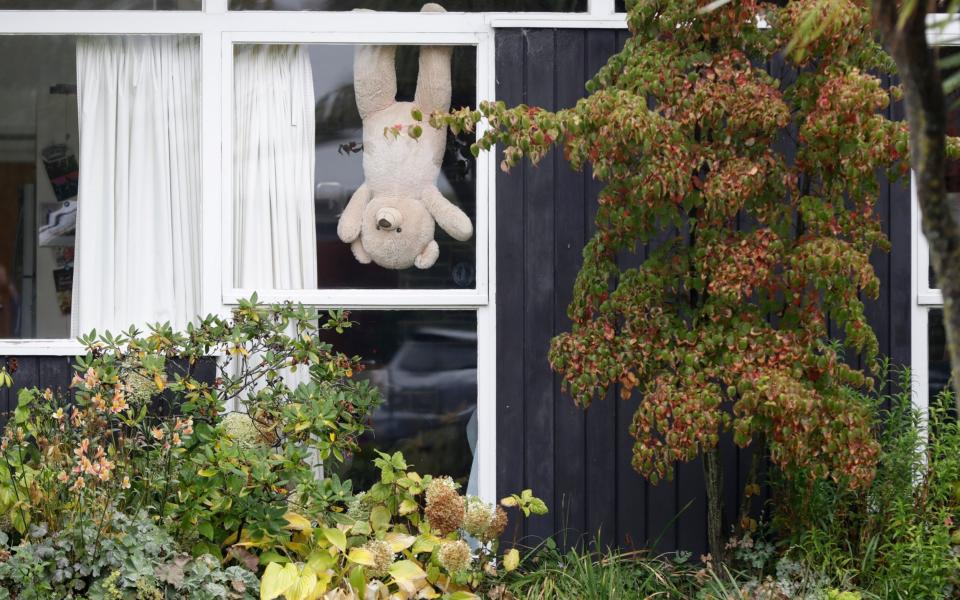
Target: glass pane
133, 178
620, 6
269, 152
953, 167
938, 359
101, 4
425, 364
414, 5
39, 145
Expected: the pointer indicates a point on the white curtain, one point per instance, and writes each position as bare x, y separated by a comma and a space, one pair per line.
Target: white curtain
274, 227
138, 220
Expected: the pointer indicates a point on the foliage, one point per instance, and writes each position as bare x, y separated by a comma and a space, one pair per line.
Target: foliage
134, 559
900, 536
407, 535
141, 430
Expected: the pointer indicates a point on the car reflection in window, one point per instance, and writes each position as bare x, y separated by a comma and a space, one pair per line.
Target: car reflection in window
429, 388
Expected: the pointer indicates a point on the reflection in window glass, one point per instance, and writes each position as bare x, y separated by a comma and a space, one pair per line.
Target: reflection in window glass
425, 364
414, 5
324, 75
101, 4
938, 360
952, 179
132, 180
39, 146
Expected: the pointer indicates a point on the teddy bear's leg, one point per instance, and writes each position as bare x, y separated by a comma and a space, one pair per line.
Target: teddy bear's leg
374, 78
429, 256
448, 215
360, 253
434, 85
348, 227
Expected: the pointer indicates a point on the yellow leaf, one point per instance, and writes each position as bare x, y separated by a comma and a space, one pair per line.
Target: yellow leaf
399, 541
428, 593
297, 522
277, 579
337, 538
509, 501
425, 544
511, 560
406, 570
361, 556
303, 588
407, 506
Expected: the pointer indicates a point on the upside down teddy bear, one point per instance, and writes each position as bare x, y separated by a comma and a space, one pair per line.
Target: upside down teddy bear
390, 219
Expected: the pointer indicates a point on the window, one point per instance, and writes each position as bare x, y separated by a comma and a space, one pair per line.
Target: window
413, 5
166, 90
930, 360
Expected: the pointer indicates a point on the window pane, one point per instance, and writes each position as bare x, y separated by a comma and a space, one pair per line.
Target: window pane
101, 4
414, 5
953, 167
39, 145
425, 364
132, 180
938, 359
272, 161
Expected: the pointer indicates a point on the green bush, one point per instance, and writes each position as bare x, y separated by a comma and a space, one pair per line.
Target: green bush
899, 537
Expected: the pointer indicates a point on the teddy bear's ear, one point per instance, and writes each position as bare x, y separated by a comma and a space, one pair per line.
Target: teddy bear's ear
428, 257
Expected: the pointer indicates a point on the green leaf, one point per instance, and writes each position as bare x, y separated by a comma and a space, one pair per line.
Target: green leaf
336, 537
380, 517
206, 530
358, 580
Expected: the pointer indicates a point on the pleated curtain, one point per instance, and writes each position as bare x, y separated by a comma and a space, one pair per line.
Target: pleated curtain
274, 225
138, 221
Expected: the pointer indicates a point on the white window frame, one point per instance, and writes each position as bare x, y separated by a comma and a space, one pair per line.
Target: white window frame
219, 29
943, 30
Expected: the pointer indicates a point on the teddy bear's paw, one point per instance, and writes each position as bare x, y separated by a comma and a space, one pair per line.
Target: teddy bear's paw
360, 253
433, 7
428, 257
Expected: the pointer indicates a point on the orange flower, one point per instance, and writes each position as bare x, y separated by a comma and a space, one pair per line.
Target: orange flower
157, 433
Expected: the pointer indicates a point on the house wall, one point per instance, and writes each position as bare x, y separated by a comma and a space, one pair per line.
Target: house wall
579, 461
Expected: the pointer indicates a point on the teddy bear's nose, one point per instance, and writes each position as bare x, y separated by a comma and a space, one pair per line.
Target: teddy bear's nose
388, 218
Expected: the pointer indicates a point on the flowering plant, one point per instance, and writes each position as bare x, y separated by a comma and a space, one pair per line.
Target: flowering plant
144, 428
408, 536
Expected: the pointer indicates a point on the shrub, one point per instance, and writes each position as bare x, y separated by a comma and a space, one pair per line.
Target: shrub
409, 535
900, 536
135, 558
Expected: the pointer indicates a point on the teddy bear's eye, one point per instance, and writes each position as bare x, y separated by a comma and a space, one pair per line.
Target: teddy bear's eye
399, 230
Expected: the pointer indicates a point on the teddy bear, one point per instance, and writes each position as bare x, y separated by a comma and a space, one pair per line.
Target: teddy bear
390, 219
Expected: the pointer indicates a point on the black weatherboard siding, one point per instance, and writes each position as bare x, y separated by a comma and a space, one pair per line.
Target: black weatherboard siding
579, 461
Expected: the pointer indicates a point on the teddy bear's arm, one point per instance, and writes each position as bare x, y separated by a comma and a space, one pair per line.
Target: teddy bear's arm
348, 227
447, 214
374, 78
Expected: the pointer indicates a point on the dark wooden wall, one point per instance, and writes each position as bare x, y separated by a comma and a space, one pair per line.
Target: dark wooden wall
579, 461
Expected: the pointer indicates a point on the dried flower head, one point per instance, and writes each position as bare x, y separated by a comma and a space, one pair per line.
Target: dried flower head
478, 517
455, 556
241, 428
358, 508
382, 557
445, 507
498, 524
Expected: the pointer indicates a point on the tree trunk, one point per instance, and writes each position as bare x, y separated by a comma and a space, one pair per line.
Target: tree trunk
713, 476
927, 117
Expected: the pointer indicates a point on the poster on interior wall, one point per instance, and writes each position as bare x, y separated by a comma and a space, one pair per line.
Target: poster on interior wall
63, 282
63, 170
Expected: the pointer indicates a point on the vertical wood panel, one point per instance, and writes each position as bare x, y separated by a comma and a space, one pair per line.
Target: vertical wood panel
539, 270
570, 198
510, 300
601, 417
